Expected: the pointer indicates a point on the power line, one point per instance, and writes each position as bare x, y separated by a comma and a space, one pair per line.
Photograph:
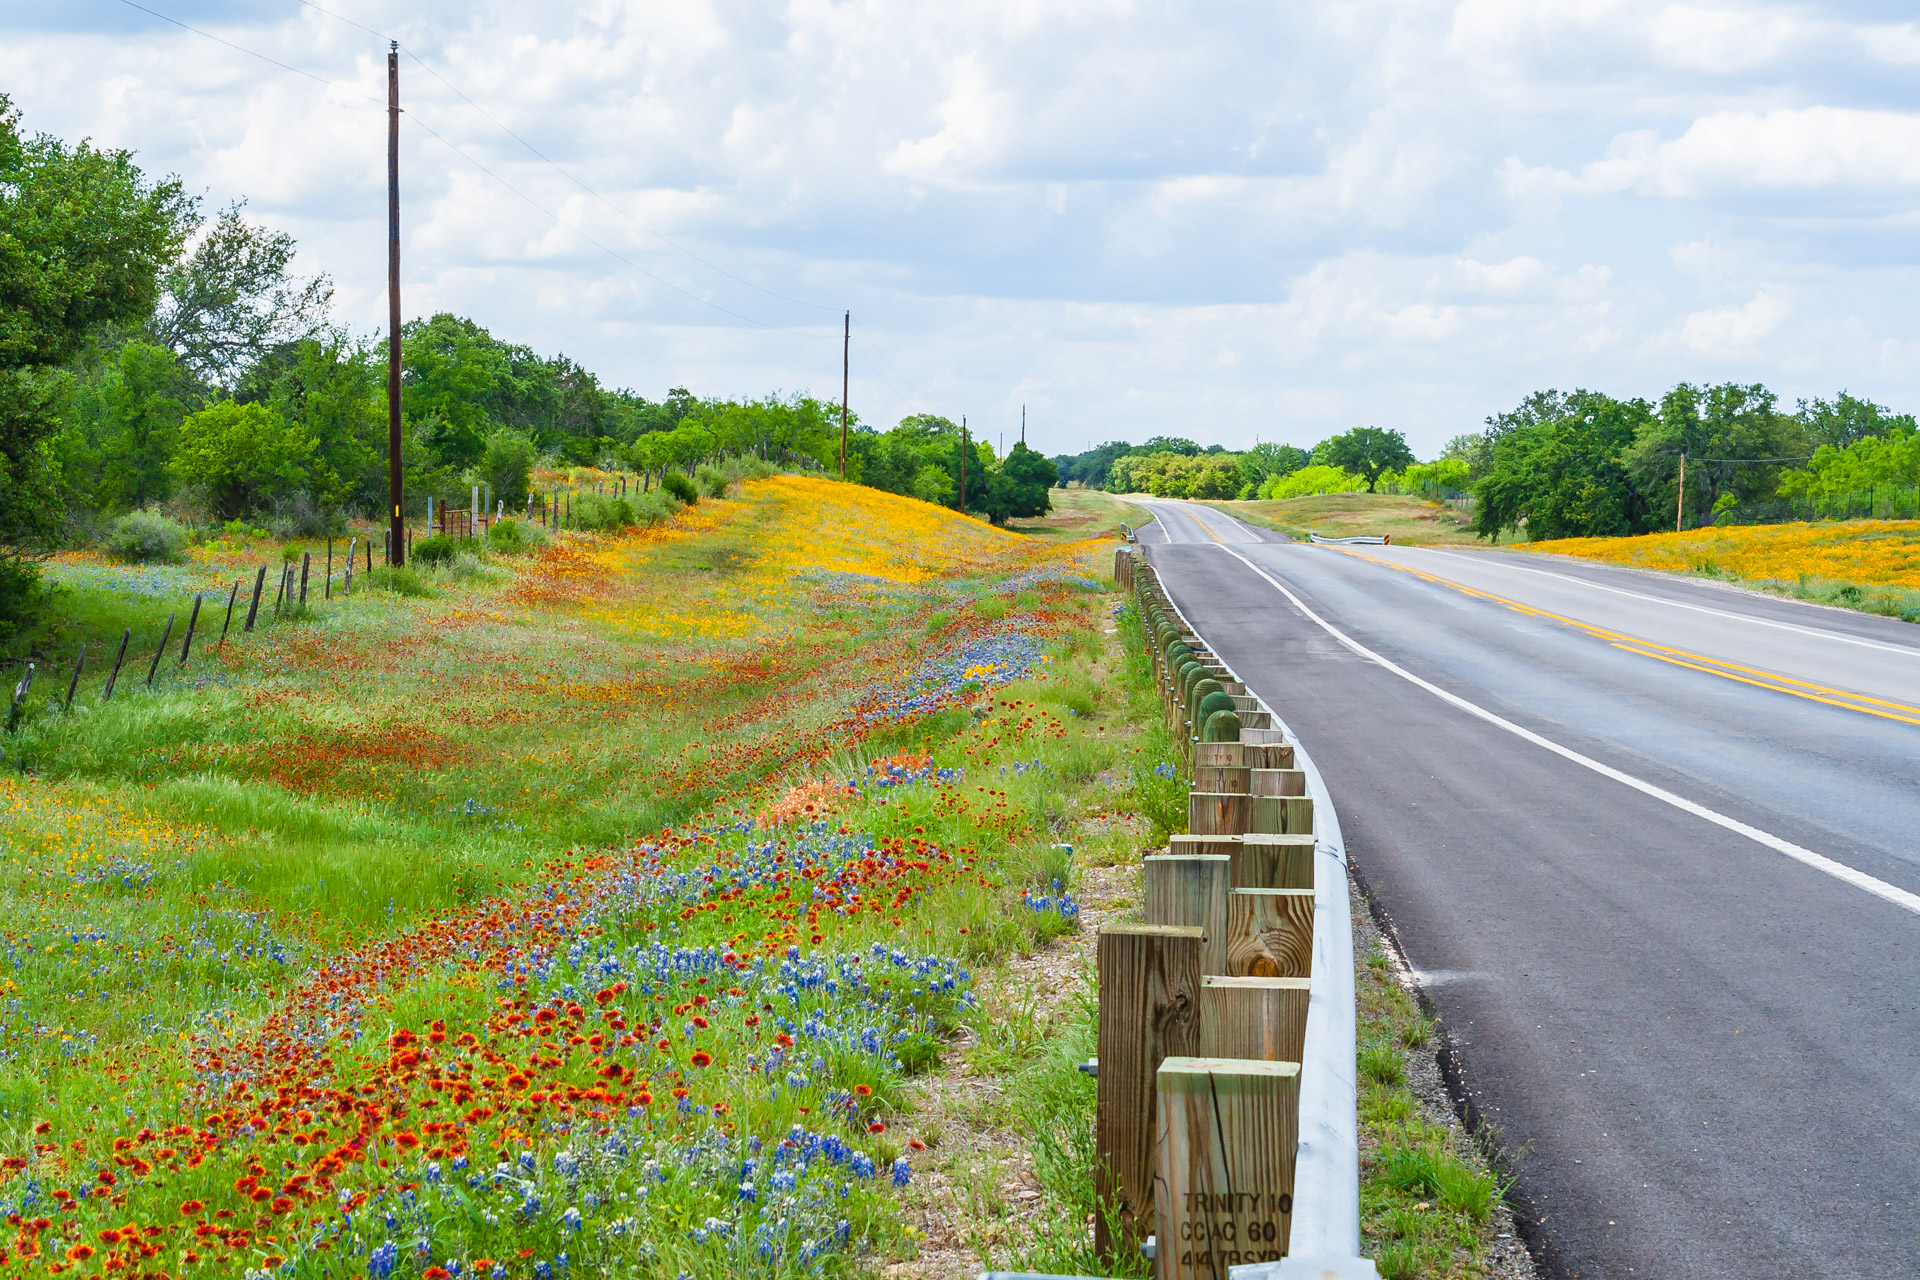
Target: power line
332, 84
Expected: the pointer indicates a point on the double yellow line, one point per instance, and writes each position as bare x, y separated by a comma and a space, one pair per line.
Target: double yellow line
1682, 657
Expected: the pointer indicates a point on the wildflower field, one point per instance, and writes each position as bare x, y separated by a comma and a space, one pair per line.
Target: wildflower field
587, 911
1872, 565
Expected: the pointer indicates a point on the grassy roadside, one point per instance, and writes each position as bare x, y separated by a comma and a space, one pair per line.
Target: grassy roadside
1406, 520
1872, 566
605, 906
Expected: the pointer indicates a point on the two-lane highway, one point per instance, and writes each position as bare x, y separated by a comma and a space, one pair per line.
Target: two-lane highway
1654, 848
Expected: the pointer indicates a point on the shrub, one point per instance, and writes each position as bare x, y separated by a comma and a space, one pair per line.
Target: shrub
595, 511
297, 515
712, 481
440, 549
402, 581
147, 537
651, 508
511, 537
680, 487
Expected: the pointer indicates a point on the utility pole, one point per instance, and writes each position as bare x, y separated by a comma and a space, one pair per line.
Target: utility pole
846, 348
1680, 502
1023, 424
396, 524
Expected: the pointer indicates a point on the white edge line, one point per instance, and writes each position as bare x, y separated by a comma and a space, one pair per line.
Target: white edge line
1819, 862
1326, 1180
1816, 632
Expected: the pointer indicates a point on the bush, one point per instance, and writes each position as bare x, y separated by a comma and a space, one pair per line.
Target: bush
511, 537
402, 581
651, 508
680, 487
147, 537
297, 515
712, 481
595, 511
440, 549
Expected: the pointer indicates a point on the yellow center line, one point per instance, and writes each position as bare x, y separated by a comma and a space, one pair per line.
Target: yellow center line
1678, 657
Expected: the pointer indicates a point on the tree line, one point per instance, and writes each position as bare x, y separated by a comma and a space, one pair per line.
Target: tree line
160, 362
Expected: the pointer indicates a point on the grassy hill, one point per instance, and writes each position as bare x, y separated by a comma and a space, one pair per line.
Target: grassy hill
1407, 520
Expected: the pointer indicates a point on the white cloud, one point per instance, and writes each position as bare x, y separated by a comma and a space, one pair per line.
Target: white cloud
1259, 219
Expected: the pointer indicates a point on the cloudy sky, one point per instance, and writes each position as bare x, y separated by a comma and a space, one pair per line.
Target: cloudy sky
1222, 220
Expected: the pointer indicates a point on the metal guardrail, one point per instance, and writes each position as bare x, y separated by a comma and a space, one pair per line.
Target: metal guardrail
1359, 540
1324, 1243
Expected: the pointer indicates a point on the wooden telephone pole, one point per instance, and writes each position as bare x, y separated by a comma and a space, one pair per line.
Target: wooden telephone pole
963, 464
846, 347
396, 523
1680, 503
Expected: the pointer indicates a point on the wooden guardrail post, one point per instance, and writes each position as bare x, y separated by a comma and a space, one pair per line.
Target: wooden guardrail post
1264, 1018
1287, 815
1191, 890
1149, 1011
1270, 933
1219, 813
1229, 1128
1277, 782
1270, 860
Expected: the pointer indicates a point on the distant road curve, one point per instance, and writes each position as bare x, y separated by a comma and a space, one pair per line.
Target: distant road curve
1654, 846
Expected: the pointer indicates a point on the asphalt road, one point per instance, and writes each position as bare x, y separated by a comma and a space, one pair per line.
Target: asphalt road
1653, 847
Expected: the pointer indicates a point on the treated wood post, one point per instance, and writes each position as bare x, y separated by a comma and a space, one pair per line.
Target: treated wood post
1263, 1018
193, 620
1207, 777
1265, 860
1229, 1130
74, 683
1219, 813
1270, 933
1288, 815
164, 637
259, 585
1220, 755
118, 658
1262, 754
1277, 782
306, 567
1187, 843
1149, 1011
231, 597
1191, 890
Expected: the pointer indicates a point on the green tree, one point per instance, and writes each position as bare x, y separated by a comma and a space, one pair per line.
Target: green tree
84, 237
1845, 420
233, 299
1018, 487
934, 485
1268, 459
1368, 452
336, 391
242, 455
1563, 473
123, 427
1732, 435
507, 465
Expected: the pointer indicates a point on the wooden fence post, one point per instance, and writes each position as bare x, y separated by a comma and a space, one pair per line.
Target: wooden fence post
346, 587
193, 620
1264, 1018
118, 658
164, 637
1149, 1010
74, 683
329, 594
1191, 890
19, 698
231, 597
1270, 933
1229, 1130
259, 585
369, 555
306, 567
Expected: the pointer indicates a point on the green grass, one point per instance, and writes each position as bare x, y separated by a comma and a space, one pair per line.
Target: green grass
1426, 1196
1405, 519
